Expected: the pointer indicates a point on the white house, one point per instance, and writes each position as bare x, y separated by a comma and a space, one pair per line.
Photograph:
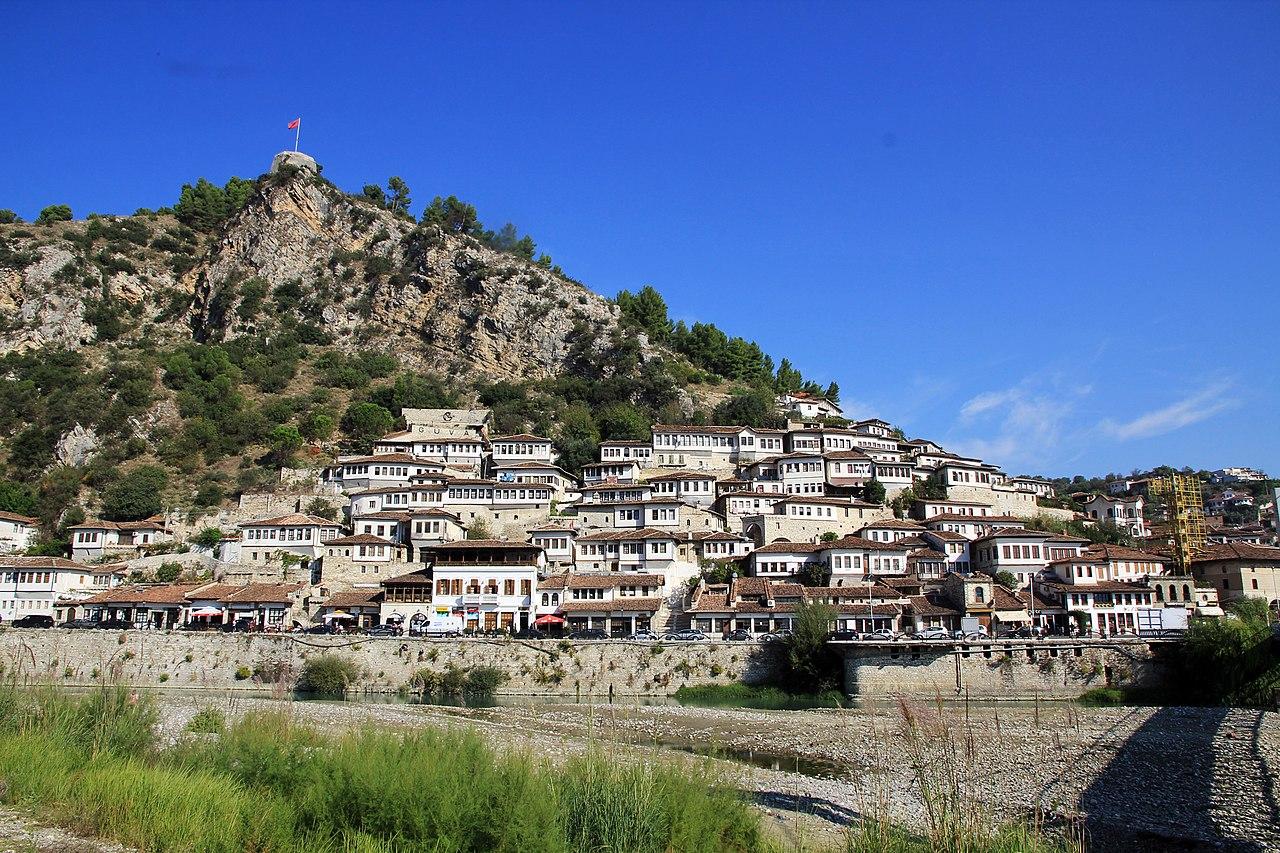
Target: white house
809, 406
45, 586
785, 559
691, 487
1124, 512
489, 583
611, 471
522, 448
639, 452
385, 469
847, 468
93, 539
556, 539
853, 558
296, 533
644, 550
1022, 553
17, 532
617, 603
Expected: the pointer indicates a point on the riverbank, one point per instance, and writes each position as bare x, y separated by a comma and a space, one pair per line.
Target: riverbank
1158, 778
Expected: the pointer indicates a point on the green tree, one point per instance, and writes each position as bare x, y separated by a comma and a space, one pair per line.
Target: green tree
752, 407
1006, 579
479, 529
375, 194
209, 538
812, 574
322, 508
363, 423
206, 206
54, 213
168, 572
622, 422
452, 215
809, 665
578, 438
399, 200
17, 498
646, 310
285, 441
8, 217
873, 491
833, 392
788, 378
136, 495
316, 426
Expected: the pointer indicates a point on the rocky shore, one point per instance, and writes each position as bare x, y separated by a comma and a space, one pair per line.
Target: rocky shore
1125, 778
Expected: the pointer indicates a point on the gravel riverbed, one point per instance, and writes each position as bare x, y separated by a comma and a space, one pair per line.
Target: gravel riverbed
1125, 778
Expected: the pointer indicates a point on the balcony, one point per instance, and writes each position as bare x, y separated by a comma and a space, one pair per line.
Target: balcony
480, 598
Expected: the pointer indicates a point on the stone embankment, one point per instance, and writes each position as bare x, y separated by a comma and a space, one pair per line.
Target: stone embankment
211, 660
221, 661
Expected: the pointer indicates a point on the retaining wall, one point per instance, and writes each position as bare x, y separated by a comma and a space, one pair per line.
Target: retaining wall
218, 661
1013, 670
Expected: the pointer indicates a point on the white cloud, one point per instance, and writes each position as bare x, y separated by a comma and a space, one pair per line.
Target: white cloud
1022, 426
1189, 410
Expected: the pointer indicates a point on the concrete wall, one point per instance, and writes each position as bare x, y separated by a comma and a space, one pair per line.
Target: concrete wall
1011, 670
197, 660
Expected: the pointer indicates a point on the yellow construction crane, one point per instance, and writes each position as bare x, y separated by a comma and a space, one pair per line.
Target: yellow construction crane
1185, 510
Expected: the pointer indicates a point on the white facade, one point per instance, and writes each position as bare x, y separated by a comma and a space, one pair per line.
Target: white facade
17, 532
40, 586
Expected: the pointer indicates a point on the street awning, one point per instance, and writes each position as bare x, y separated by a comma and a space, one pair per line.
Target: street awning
338, 614
549, 619
207, 611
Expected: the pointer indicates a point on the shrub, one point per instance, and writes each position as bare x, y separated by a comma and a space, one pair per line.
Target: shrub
328, 675
243, 673
168, 572
54, 213
208, 721
136, 495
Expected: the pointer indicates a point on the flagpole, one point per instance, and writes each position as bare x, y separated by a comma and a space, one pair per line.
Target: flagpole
297, 134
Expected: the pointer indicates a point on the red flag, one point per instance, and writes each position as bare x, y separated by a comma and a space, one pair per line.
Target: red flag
293, 124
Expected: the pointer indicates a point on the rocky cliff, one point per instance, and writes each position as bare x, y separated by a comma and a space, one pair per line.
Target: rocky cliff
365, 277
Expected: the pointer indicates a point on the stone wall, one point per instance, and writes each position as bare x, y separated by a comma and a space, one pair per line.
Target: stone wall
176, 659
1012, 670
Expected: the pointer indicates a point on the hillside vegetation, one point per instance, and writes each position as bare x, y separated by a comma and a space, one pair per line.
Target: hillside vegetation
178, 357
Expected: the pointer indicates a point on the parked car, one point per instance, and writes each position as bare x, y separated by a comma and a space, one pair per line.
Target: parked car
385, 630
531, 634
773, 636
980, 634
643, 636
34, 620
113, 624
1023, 633
741, 635
589, 634
932, 634
688, 635
80, 623
843, 635
881, 636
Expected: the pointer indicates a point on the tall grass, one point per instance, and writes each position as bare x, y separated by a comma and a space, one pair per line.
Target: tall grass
268, 784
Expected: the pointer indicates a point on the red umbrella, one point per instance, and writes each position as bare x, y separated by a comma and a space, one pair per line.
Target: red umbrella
549, 619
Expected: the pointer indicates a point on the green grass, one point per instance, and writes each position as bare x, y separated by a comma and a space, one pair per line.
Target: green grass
878, 837
763, 698
268, 784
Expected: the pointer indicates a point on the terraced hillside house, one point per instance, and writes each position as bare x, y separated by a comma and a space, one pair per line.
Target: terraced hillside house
95, 539
639, 452
462, 454
298, 534
489, 583
691, 487
358, 473
852, 558
358, 559
712, 447
1123, 512
1108, 607
17, 532
610, 472
1021, 553
808, 406
522, 447
556, 538
644, 550
786, 560
1239, 571
267, 606
620, 604
49, 586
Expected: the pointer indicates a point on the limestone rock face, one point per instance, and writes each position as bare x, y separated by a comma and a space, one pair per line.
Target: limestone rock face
372, 280
76, 446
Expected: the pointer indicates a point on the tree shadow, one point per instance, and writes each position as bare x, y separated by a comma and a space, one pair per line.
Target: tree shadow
1184, 781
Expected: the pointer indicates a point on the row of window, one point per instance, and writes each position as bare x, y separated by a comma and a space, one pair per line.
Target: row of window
289, 534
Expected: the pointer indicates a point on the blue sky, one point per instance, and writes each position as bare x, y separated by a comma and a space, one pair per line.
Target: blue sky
1046, 233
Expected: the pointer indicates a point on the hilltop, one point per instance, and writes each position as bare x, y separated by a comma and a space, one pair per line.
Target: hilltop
208, 342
